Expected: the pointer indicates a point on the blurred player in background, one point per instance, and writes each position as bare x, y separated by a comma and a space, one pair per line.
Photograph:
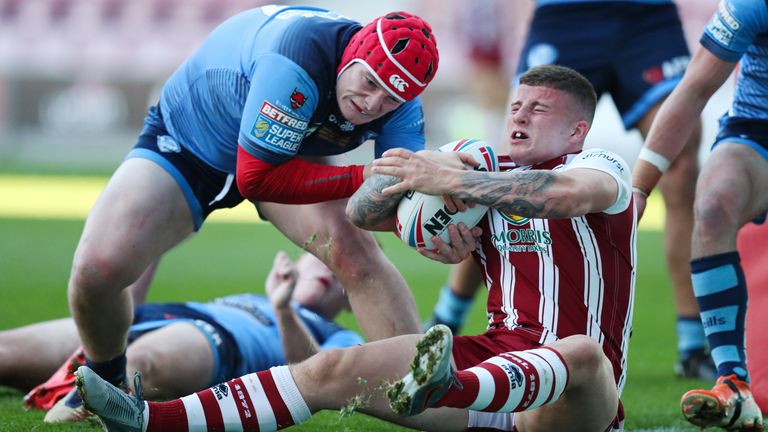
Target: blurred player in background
219, 340
730, 192
635, 50
267, 90
579, 204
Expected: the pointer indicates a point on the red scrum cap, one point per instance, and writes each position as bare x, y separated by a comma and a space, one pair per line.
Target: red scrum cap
399, 49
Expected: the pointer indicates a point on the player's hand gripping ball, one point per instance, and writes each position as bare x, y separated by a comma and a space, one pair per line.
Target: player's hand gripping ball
421, 216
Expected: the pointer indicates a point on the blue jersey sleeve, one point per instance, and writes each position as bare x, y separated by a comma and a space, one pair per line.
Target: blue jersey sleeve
404, 129
280, 102
341, 339
734, 27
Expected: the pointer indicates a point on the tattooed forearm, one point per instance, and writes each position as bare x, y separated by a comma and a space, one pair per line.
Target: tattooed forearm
368, 207
523, 194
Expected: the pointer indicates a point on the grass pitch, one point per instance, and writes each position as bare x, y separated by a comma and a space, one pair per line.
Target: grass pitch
227, 258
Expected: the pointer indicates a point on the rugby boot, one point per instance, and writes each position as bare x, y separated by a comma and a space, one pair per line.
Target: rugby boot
696, 364
118, 411
69, 409
59, 385
430, 375
728, 405
434, 320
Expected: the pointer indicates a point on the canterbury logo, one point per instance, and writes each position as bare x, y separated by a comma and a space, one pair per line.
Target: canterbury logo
397, 82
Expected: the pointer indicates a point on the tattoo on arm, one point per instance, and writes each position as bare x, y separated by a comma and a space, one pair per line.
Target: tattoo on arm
519, 193
369, 206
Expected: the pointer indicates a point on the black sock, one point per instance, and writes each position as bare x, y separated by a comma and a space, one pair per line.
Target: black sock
112, 371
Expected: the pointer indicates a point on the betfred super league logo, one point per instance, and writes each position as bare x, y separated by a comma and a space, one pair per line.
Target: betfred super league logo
297, 99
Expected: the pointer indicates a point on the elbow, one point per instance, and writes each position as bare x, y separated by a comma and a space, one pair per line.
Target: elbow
248, 188
570, 205
363, 217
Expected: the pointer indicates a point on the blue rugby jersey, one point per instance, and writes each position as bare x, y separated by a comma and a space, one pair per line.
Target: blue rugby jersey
259, 342
265, 79
739, 31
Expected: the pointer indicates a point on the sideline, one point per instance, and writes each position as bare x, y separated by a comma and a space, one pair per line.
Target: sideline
71, 197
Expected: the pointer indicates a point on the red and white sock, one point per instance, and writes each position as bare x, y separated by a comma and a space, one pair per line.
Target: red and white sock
263, 401
510, 382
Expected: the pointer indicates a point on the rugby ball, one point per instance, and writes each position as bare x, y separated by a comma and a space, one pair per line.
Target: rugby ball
421, 216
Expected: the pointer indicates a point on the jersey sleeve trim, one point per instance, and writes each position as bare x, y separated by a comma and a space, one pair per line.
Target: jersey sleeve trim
718, 50
612, 164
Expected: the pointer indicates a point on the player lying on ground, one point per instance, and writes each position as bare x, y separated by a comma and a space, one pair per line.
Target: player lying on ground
219, 340
554, 357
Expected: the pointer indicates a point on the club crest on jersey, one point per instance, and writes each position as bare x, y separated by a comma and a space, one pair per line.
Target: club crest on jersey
297, 99
514, 219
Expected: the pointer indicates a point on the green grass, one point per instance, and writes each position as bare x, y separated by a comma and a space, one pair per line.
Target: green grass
35, 256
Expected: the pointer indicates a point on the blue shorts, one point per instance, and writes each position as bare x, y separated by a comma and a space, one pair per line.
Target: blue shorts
205, 188
635, 52
750, 132
226, 355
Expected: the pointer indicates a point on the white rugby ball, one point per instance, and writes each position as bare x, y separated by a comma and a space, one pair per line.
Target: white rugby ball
421, 216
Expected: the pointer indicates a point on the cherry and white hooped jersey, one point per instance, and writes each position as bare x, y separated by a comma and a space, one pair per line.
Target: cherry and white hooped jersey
552, 278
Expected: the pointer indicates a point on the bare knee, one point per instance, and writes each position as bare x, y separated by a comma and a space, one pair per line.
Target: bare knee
585, 359
714, 213
96, 273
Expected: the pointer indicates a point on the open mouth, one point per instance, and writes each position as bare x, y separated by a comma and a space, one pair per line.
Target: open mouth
519, 135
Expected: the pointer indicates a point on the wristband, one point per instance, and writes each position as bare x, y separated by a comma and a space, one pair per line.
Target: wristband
660, 162
640, 191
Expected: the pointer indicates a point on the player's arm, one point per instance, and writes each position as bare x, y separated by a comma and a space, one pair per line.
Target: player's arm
540, 193
596, 181
295, 181
298, 342
368, 208
677, 116
275, 121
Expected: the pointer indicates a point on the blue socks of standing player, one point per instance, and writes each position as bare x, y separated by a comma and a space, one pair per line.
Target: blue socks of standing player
693, 360
451, 309
721, 290
690, 335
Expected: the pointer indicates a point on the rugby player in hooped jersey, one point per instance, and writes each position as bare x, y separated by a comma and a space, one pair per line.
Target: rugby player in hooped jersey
267, 89
554, 357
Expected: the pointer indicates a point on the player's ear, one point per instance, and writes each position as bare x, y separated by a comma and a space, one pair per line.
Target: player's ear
579, 132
